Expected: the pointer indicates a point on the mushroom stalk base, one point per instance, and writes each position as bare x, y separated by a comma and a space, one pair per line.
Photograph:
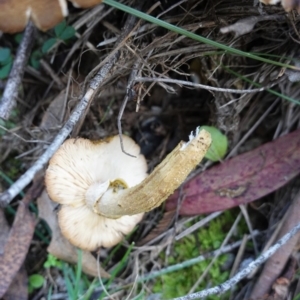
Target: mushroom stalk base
161, 183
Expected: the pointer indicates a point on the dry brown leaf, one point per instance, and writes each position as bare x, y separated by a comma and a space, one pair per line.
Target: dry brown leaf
16, 247
160, 228
59, 246
277, 262
19, 287
54, 114
242, 179
4, 231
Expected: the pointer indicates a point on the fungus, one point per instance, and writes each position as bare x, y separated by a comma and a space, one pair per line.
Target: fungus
45, 14
104, 193
78, 174
288, 5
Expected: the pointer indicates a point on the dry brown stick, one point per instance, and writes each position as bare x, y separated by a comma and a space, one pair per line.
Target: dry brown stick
227, 285
16, 74
274, 266
129, 95
79, 110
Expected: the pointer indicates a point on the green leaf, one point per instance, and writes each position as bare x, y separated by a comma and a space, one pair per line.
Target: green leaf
4, 71
48, 45
36, 281
18, 37
218, 146
68, 33
52, 261
59, 28
4, 55
35, 58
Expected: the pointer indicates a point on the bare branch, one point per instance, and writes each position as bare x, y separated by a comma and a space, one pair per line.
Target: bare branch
202, 86
227, 285
16, 74
191, 262
275, 265
129, 95
78, 112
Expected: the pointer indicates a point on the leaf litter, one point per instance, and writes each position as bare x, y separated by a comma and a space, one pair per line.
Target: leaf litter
167, 114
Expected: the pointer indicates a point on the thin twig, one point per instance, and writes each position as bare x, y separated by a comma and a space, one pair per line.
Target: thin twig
27, 177
245, 136
10, 93
227, 285
198, 225
202, 86
211, 263
195, 260
79, 110
129, 94
276, 264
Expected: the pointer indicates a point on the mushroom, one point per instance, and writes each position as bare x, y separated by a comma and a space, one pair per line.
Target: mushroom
288, 5
45, 14
78, 174
104, 192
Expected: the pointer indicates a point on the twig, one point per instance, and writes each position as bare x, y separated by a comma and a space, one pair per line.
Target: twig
202, 86
27, 177
249, 132
227, 285
16, 74
275, 265
198, 225
195, 260
79, 110
129, 94
224, 243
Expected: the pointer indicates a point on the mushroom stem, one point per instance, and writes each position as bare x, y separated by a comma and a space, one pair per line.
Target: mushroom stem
161, 183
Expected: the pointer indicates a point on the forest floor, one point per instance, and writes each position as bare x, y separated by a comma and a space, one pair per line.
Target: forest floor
168, 84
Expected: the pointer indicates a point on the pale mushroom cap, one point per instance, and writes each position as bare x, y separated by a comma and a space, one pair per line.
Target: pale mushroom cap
81, 170
79, 163
14, 14
89, 231
288, 5
45, 14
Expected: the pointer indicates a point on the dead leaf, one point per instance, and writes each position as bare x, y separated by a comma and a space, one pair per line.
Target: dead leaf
55, 113
4, 231
16, 247
242, 179
19, 287
277, 262
160, 228
246, 25
59, 246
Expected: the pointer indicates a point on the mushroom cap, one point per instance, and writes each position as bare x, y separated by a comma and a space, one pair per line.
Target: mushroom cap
80, 163
288, 5
14, 14
45, 14
89, 231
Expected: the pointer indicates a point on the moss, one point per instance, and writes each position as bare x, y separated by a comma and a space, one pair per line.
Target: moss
208, 239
